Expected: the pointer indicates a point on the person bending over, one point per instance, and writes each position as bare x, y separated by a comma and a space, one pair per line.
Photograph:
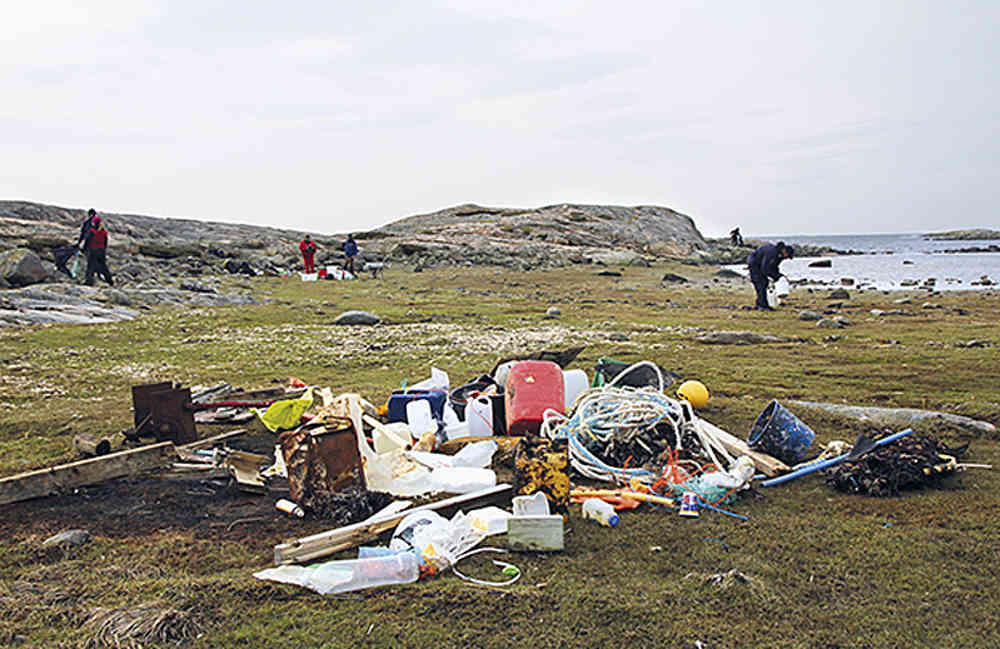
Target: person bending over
763, 265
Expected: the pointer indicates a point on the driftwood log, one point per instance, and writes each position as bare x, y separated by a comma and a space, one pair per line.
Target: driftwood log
91, 445
899, 418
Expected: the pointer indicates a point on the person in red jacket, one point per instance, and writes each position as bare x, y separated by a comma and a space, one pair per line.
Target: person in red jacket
96, 245
308, 249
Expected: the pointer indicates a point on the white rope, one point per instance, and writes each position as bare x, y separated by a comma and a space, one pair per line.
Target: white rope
483, 582
612, 413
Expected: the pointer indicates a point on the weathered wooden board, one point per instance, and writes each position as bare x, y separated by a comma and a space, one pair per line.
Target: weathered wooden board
64, 477
342, 538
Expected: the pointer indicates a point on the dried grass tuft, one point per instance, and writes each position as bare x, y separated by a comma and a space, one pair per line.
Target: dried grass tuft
133, 628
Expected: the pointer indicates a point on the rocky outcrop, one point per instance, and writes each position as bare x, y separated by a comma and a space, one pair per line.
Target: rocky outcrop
976, 234
552, 235
464, 235
74, 304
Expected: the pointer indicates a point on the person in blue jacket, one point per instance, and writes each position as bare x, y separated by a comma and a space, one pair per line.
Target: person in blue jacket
350, 252
763, 265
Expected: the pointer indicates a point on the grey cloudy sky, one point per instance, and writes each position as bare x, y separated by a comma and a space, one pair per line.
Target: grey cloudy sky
780, 117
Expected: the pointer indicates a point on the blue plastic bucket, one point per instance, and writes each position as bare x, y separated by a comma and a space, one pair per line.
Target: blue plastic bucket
780, 434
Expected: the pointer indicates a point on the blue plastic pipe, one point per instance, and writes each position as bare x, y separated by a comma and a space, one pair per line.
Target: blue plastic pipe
822, 464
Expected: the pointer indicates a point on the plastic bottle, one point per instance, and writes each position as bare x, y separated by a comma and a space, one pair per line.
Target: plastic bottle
600, 511
289, 507
356, 574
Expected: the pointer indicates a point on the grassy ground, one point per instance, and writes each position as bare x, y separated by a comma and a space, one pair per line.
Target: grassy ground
828, 570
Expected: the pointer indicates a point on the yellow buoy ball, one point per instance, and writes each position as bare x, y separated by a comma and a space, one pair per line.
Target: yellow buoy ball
695, 392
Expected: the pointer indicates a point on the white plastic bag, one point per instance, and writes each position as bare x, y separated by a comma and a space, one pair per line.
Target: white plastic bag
462, 479
391, 472
438, 381
476, 454
439, 541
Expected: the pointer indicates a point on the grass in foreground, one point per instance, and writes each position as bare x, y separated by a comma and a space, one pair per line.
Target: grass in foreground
829, 570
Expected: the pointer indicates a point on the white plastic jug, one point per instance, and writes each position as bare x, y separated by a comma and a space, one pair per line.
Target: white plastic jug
574, 382
457, 430
479, 416
781, 287
418, 416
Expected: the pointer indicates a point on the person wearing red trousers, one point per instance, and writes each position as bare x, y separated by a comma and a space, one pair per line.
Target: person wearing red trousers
308, 249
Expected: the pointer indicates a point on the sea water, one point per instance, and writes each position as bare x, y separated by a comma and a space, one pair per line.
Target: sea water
894, 261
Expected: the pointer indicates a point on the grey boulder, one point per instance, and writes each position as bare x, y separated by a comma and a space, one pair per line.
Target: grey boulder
21, 267
68, 537
356, 318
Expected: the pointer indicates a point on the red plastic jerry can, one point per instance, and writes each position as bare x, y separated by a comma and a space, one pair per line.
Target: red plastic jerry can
532, 388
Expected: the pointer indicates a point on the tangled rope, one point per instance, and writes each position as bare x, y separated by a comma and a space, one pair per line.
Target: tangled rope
644, 421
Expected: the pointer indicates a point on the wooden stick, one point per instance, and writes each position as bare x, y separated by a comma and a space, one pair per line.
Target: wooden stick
62, 478
342, 538
396, 439
765, 463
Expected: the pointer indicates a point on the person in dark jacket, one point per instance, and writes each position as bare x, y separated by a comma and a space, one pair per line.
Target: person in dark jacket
350, 252
96, 245
735, 237
763, 265
85, 229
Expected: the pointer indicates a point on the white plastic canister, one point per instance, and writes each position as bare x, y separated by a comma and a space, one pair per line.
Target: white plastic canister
479, 416
418, 416
574, 383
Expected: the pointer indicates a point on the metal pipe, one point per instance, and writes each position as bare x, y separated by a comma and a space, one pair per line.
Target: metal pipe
823, 464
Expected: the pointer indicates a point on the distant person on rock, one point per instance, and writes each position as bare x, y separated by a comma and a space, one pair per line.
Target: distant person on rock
735, 237
350, 252
85, 228
763, 265
96, 245
308, 249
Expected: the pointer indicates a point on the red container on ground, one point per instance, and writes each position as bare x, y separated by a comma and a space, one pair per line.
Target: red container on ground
532, 388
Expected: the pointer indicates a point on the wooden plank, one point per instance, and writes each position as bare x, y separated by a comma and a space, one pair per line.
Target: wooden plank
766, 464
64, 477
245, 469
343, 538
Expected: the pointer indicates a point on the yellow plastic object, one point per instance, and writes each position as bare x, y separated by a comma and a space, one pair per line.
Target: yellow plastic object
285, 414
695, 392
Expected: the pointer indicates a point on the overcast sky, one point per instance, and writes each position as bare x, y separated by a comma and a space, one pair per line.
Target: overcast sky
780, 117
